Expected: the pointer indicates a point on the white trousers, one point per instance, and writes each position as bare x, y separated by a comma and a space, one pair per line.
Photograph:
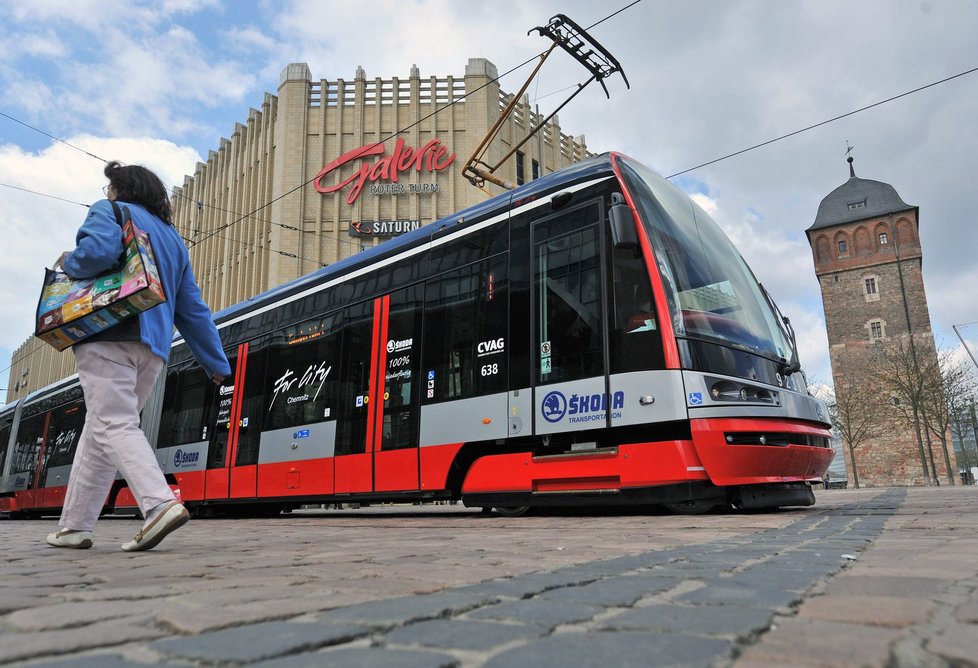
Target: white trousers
117, 379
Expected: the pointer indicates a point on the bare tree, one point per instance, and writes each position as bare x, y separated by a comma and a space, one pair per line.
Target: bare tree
945, 396
858, 419
901, 367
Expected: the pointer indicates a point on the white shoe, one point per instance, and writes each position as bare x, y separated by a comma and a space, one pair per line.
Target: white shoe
172, 518
80, 540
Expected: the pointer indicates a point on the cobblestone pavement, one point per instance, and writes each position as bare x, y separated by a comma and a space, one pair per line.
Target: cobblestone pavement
866, 577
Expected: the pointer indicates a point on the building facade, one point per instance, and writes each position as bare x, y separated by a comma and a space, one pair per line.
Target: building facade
325, 169
866, 247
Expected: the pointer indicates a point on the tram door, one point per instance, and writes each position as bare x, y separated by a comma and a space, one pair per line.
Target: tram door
377, 423
232, 458
568, 321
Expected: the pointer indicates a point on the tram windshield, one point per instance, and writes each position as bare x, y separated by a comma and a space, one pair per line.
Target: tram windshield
712, 293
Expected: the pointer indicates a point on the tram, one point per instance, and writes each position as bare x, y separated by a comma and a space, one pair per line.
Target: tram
589, 338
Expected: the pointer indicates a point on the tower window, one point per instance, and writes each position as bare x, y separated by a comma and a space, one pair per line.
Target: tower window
857, 205
870, 286
884, 239
876, 330
843, 247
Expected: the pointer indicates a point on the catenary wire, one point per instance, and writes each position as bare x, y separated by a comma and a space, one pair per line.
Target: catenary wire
456, 100
671, 176
825, 122
27, 125
35, 192
412, 125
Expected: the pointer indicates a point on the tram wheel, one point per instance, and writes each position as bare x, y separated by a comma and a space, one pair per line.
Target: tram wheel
512, 511
692, 507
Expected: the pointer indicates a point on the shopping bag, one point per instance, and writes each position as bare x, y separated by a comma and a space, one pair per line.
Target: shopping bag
71, 310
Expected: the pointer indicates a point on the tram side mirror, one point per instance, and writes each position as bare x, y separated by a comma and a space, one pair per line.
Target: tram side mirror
623, 234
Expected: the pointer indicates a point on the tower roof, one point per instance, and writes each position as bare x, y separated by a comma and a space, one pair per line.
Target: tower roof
857, 199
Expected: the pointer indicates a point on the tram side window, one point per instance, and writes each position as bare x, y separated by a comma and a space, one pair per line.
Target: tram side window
5, 426
186, 403
401, 382
568, 297
466, 319
27, 449
353, 393
636, 338
303, 367
64, 433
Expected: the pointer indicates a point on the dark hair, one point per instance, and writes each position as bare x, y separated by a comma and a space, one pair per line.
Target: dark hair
137, 185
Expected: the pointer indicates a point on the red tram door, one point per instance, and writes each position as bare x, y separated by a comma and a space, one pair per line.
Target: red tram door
377, 424
232, 470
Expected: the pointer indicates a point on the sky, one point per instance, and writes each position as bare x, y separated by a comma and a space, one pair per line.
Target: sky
160, 83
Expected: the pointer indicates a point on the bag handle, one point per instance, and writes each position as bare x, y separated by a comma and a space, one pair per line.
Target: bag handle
119, 213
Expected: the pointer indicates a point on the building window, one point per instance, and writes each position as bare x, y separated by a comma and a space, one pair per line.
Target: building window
536, 169
520, 177
857, 205
870, 286
843, 247
884, 239
876, 330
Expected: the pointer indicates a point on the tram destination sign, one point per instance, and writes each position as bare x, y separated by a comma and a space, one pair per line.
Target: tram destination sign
382, 228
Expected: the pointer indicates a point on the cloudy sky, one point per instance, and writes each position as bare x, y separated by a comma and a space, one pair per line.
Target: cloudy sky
159, 83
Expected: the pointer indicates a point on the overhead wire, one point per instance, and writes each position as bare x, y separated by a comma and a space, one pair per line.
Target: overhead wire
35, 192
282, 196
58, 139
825, 122
462, 97
416, 123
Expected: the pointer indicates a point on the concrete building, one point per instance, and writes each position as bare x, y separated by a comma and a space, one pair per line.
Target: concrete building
866, 246
326, 168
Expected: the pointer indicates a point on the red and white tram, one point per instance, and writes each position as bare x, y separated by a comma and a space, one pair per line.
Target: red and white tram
591, 337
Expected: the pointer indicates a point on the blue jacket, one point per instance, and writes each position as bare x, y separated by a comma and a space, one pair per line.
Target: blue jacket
98, 246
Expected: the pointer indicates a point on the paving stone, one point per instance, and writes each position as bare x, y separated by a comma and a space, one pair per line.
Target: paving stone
622, 650
957, 643
201, 619
891, 611
526, 586
621, 591
245, 644
405, 609
461, 634
688, 571
537, 611
91, 661
727, 591
64, 615
366, 657
875, 585
777, 578
967, 613
822, 643
728, 621
22, 646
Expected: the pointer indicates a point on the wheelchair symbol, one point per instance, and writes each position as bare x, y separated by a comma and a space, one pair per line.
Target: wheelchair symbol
695, 399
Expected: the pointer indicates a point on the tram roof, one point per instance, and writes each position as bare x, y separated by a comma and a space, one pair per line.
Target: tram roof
581, 171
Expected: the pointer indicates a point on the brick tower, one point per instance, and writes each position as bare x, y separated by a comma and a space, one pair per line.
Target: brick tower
867, 254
